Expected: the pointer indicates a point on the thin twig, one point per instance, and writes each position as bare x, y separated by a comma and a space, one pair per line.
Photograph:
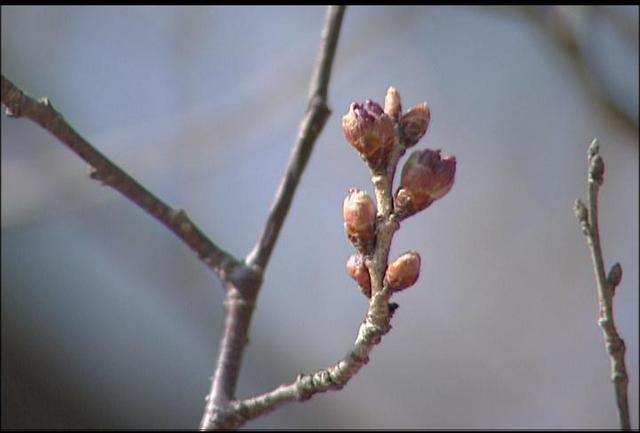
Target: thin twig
242, 294
315, 117
19, 104
606, 285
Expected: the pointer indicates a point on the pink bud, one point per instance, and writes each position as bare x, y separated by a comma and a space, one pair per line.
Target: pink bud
359, 214
426, 177
370, 130
392, 103
359, 272
403, 272
415, 123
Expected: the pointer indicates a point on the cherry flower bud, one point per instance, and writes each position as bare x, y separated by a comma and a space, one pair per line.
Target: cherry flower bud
370, 130
359, 214
415, 123
426, 177
359, 272
392, 103
403, 272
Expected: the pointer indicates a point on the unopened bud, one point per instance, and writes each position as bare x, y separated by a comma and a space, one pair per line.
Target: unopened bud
582, 214
403, 272
359, 214
596, 169
359, 272
594, 149
415, 123
580, 210
392, 103
426, 177
615, 276
370, 130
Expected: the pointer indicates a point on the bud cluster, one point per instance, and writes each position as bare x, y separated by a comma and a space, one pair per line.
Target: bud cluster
427, 176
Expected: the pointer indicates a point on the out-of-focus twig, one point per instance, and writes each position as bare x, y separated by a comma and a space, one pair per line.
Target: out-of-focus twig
606, 284
19, 104
571, 28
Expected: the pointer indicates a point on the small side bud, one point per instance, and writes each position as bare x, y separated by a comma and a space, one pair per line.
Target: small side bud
393, 306
403, 272
392, 103
615, 276
594, 149
370, 130
580, 210
582, 214
415, 123
596, 169
359, 272
426, 176
359, 214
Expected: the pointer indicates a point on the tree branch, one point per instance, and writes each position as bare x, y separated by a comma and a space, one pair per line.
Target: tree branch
242, 293
375, 325
606, 285
328, 379
312, 124
19, 104
383, 280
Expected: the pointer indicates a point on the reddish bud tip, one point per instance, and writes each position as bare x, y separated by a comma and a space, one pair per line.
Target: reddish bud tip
426, 177
370, 130
359, 272
415, 123
392, 103
403, 272
359, 214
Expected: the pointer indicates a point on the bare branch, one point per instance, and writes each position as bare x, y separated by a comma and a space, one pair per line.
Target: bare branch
606, 285
312, 124
305, 386
19, 104
241, 295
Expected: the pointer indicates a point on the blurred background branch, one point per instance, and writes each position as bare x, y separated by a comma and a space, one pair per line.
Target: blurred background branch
600, 41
